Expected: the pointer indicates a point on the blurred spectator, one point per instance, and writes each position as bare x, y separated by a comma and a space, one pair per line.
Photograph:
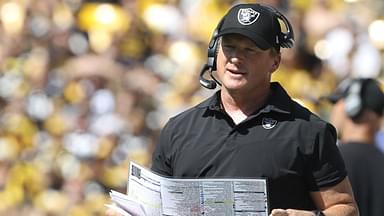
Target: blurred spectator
357, 113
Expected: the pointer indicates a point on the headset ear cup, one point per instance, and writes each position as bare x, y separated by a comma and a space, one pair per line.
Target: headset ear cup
213, 46
353, 100
286, 39
212, 53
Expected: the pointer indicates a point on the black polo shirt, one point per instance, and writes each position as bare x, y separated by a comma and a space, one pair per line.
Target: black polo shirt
283, 141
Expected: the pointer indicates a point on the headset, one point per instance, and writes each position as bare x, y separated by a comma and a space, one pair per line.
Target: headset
353, 101
285, 39
211, 61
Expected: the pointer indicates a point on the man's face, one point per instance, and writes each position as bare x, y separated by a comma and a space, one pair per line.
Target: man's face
340, 120
242, 66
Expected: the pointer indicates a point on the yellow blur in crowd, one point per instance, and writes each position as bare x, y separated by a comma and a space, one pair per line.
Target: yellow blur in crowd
85, 86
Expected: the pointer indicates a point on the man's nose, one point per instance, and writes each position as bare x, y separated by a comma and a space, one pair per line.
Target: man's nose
237, 54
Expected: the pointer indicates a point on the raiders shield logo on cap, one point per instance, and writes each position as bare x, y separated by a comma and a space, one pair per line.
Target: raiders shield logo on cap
247, 16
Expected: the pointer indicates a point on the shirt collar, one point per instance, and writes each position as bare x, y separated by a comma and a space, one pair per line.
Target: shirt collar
212, 103
278, 100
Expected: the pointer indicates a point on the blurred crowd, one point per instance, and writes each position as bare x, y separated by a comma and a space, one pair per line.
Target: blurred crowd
85, 86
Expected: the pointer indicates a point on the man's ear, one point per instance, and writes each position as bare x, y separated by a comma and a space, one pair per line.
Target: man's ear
276, 62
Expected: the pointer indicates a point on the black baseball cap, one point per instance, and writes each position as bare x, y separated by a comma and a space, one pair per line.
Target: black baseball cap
255, 21
371, 94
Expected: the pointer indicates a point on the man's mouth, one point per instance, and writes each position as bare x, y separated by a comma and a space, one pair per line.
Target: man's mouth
234, 71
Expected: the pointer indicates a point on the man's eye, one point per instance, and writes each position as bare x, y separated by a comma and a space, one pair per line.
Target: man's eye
250, 50
229, 47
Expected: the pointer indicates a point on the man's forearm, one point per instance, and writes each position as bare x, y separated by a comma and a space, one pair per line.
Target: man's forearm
342, 210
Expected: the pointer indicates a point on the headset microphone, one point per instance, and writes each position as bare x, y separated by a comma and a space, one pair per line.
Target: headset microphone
209, 84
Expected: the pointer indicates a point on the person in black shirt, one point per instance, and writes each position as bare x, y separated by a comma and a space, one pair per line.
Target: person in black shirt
252, 128
357, 111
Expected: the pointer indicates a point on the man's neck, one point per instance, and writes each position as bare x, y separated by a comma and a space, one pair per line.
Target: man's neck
240, 106
359, 133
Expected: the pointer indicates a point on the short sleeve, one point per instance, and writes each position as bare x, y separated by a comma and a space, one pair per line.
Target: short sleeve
161, 157
328, 167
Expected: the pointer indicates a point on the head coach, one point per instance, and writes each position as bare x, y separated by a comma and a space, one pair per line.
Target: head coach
250, 127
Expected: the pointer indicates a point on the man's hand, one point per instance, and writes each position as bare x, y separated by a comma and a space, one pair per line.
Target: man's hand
290, 212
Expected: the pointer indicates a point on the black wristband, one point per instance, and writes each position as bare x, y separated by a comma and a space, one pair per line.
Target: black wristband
319, 213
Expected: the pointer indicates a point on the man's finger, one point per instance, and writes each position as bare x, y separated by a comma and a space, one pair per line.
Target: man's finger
279, 212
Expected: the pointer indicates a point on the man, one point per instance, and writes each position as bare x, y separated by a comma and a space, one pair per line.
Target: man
251, 128
357, 112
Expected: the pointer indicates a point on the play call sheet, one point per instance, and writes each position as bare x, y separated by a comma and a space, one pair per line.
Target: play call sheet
158, 195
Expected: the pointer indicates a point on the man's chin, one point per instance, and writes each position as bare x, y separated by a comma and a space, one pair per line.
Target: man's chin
234, 86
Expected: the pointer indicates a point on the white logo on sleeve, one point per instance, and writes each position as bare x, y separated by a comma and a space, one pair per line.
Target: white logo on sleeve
247, 16
269, 123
